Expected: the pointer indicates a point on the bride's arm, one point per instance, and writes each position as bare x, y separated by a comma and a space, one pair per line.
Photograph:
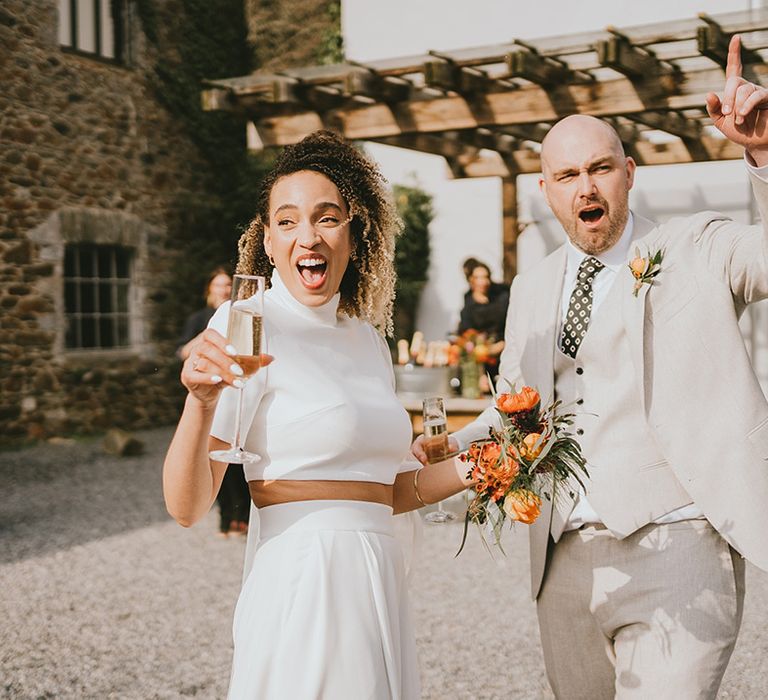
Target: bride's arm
190, 479
422, 486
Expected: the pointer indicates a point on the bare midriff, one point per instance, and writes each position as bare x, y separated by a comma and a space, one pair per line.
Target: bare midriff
270, 493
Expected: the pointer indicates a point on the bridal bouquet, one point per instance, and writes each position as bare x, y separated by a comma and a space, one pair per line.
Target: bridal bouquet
532, 456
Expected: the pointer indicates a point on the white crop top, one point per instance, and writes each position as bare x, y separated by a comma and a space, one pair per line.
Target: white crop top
326, 407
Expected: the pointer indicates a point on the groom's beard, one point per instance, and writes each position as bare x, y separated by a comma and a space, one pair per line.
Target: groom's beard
594, 242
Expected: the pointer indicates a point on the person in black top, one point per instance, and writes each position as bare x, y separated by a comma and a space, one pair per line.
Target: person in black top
485, 304
218, 287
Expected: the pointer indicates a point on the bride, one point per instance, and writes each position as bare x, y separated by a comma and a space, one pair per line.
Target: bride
323, 612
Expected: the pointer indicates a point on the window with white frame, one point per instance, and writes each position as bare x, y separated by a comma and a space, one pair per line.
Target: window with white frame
97, 293
92, 27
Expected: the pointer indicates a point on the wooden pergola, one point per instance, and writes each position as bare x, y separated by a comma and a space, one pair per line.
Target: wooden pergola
486, 109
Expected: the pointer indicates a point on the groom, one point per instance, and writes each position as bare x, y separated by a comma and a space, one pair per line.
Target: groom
640, 582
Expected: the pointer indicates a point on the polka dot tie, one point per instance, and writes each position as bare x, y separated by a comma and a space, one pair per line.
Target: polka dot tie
579, 307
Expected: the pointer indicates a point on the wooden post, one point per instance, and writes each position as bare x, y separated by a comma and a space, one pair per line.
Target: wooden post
509, 226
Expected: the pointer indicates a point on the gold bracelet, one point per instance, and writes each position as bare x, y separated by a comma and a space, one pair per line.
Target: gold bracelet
416, 486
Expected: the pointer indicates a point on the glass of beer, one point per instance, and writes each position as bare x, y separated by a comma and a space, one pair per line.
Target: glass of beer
436, 446
244, 332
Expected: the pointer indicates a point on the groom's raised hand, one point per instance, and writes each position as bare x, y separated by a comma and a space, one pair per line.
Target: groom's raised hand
741, 113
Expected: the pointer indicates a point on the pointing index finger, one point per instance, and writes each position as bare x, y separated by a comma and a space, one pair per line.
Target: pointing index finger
733, 68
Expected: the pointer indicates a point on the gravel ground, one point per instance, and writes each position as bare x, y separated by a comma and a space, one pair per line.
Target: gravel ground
105, 597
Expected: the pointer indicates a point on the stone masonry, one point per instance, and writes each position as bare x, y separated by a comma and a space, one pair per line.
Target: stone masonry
87, 154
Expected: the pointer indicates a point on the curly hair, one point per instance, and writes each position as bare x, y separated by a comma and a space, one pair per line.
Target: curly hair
368, 286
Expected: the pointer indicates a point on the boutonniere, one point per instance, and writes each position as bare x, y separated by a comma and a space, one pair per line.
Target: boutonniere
644, 269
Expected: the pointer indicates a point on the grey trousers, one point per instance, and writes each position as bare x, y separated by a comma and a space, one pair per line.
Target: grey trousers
649, 617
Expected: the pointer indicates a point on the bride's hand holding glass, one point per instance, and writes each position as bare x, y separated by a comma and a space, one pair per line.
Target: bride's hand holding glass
217, 361
210, 367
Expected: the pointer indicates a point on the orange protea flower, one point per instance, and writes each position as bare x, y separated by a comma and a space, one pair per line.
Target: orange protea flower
522, 505
493, 472
526, 399
528, 449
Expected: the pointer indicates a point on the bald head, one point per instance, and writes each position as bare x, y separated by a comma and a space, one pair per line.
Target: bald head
586, 178
579, 130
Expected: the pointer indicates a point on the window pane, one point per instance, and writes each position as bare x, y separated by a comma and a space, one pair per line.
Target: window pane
104, 256
70, 297
105, 331
105, 297
107, 29
65, 24
122, 297
87, 262
123, 259
70, 261
89, 332
86, 26
96, 301
87, 297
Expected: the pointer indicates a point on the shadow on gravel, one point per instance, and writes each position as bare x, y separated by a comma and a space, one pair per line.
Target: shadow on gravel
56, 497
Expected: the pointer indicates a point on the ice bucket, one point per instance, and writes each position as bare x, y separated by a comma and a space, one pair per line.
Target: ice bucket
416, 382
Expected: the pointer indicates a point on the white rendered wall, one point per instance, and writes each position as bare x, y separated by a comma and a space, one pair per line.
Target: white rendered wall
468, 220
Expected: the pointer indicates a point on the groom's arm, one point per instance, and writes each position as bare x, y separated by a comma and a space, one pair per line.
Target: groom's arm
735, 253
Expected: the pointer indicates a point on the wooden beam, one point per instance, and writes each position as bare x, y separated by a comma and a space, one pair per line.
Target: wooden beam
285, 130
444, 74
369, 84
526, 132
712, 42
672, 122
510, 227
525, 62
679, 152
437, 144
528, 105
619, 53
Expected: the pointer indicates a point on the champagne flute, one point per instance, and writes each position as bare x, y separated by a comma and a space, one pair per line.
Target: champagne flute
244, 332
436, 446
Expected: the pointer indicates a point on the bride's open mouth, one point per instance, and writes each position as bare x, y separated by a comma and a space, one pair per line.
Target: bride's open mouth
313, 270
592, 215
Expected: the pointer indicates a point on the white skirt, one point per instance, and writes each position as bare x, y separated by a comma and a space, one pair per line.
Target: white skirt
324, 611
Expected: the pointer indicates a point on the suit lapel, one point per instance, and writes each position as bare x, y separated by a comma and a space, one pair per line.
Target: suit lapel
633, 307
546, 322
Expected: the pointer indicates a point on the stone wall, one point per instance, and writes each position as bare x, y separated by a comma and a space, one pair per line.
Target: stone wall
82, 139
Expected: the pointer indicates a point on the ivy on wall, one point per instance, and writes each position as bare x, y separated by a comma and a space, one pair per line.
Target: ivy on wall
205, 39
331, 49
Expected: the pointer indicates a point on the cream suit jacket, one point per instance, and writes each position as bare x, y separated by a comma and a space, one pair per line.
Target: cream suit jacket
701, 398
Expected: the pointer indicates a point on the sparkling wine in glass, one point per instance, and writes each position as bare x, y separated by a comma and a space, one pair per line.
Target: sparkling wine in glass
436, 446
244, 332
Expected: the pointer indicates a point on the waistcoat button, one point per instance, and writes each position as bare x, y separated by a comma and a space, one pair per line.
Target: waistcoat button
579, 370
579, 431
579, 401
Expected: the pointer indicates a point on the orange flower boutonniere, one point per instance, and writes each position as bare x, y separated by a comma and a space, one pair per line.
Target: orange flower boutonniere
644, 269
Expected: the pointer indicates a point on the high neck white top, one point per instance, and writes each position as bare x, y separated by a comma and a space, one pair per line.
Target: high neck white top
326, 407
